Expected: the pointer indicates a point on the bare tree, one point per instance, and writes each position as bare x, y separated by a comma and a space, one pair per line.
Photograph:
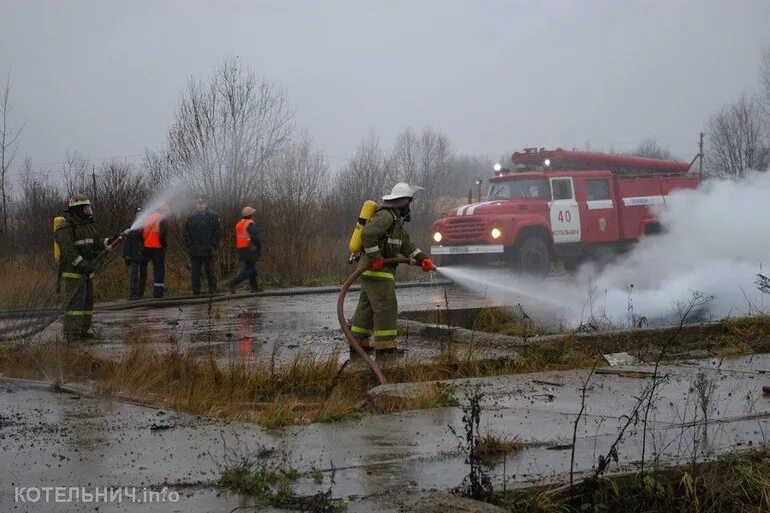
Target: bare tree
158, 170
8, 138
297, 186
735, 142
651, 149
764, 82
75, 171
465, 170
39, 201
424, 160
121, 190
225, 133
367, 175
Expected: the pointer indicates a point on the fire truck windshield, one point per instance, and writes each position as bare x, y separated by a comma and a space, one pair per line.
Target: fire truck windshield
516, 189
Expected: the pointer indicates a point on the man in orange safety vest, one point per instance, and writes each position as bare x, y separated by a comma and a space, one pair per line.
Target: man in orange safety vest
154, 232
249, 247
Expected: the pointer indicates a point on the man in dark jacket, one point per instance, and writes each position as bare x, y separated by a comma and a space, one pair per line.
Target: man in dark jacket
249, 247
202, 233
136, 261
80, 246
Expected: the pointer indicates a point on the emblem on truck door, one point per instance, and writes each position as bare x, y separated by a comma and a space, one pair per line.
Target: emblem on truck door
602, 224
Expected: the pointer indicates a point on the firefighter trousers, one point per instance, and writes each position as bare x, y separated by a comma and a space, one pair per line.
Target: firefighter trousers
78, 305
377, 311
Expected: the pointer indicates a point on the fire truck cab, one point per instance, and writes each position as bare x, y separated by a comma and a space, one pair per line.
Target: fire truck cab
559, 205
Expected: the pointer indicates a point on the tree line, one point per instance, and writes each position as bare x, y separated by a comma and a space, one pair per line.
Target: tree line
234, 139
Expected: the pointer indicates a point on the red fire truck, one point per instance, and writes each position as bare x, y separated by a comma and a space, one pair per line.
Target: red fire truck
559, 205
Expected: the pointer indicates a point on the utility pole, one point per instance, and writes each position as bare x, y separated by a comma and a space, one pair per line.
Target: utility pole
700, 155
93, 180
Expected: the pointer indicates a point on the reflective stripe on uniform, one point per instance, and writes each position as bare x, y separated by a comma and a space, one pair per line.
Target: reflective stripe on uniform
84, 241
396, 242
359, 329
77, 260
76, 276
373, 249
74, 313
415, 253
158, 284
385, 333
379, 274
381, 345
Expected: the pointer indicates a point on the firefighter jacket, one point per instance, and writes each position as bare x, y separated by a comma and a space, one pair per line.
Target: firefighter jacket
155, 231
202, 232
384, 235
247, 240
133, 246
80, 245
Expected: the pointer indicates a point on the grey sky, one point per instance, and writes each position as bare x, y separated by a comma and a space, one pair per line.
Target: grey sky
104, 77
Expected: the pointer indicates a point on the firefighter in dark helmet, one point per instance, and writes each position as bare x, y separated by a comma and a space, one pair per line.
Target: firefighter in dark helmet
383, 237
80, 245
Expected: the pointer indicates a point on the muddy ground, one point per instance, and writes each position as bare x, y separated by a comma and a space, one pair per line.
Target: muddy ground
378, 463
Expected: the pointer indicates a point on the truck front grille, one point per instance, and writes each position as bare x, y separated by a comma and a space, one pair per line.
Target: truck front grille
464, 230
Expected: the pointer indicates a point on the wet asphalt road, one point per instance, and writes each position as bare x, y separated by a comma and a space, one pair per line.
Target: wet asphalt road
253, 329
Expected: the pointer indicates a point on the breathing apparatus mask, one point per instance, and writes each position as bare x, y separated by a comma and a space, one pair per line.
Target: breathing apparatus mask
405, 212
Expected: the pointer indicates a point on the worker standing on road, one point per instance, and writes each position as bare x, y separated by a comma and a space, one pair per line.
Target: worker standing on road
80, 245
136, 261
249, 247
202, 232
384, 237
155, 233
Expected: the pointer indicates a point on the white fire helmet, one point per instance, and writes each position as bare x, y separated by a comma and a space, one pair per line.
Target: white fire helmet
402, 190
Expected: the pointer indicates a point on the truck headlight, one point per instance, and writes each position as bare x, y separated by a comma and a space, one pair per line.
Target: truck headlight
496, 233
437, 237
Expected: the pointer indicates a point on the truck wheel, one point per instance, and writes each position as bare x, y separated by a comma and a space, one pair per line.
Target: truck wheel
571, 265
533, 257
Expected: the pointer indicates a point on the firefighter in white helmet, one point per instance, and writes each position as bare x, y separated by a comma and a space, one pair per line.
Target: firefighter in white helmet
80, 245
384, 237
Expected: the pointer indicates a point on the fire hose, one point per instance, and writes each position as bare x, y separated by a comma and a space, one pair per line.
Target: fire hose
352, 342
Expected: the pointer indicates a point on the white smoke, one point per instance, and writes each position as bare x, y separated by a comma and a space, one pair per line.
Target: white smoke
715, 241
176, 196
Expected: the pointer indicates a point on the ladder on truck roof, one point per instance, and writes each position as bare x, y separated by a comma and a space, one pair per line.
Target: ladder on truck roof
587, 160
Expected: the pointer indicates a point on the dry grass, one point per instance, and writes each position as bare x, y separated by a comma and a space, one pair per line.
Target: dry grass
491, 445
309, 389
303, 391
28, 282
737, 483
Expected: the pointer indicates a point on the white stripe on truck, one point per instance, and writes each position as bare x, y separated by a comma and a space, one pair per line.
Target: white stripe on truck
467, 250
643, 200
599, 204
